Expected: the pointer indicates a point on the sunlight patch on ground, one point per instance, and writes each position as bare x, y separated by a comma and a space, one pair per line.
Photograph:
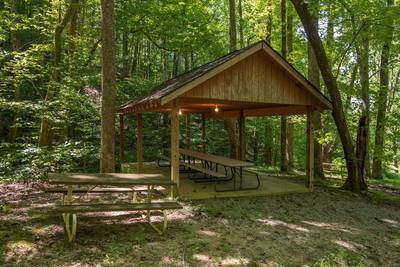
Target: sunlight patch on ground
44, 230
228, 261
352, 246
169, 261
20, 249
333, 226
273, 222
208, 233
391, 222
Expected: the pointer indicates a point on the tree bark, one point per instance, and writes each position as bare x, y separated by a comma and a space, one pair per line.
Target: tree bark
377, 172
230, 124
269, 138
107, 157
284, 151
45, 130
290, 124
241, 35
165, 64
125, 53
16, 44
353, 182
363, 126
314, 78
268, 33
232, 26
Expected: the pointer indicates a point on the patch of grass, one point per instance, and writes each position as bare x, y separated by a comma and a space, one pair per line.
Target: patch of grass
342, 258
380, 197
139, 237
198, 245
389, 179
226, 248
232, 209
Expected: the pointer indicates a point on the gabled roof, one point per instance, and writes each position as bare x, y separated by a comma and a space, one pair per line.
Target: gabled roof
179, 85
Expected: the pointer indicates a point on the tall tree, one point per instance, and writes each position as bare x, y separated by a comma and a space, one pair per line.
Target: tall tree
54, 84
232, 26
314, 78
268, 143
382, 98
268, 33
354, 181
241, 35
16, 44
290, 123
230, 124
109, 74
284, 147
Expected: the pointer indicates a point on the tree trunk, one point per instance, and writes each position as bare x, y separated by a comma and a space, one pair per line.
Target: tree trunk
135, 60
232, 26
269, 138
290, 146
165, 64
255, 146
268, 33
230, 124
382, 102
363, 126
187, 62
268, 149
176, 61
354, 182
16, 44
188, 131
241, 35
290, 124
395, 159
125, 53
314, 78
284, 152
107, 157
45, 134
73, 29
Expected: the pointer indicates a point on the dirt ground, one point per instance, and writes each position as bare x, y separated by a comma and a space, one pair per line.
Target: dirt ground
325, 228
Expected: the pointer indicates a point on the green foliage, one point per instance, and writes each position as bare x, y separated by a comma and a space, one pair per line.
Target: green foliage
26, 161
155, 41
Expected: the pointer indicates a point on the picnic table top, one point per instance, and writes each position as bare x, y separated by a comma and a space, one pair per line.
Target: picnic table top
216, 159
113, 179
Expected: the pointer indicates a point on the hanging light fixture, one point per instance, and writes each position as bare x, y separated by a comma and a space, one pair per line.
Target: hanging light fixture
216, 109
180, 112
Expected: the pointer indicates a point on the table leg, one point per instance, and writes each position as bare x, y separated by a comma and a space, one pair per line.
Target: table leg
149, 198
241, 176
70, 229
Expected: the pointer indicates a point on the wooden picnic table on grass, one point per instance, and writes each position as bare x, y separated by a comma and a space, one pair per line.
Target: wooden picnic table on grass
74, 181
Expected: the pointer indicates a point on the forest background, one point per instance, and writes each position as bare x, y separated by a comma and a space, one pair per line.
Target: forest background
50, 79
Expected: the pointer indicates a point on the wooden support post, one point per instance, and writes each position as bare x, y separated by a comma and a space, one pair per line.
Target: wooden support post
242, 136
188, 131
139, 143
121, 139
203, 132
175, 149
310, 149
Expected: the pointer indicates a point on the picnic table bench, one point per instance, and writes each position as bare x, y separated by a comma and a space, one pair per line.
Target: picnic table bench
69, 208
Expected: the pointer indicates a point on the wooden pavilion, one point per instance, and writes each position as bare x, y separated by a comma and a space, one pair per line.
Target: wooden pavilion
253, 81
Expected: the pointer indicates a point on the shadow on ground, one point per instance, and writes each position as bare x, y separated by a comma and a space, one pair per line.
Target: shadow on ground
323, 228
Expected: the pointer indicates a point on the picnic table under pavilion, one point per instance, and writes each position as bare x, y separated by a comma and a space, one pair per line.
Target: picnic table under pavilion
253, 81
